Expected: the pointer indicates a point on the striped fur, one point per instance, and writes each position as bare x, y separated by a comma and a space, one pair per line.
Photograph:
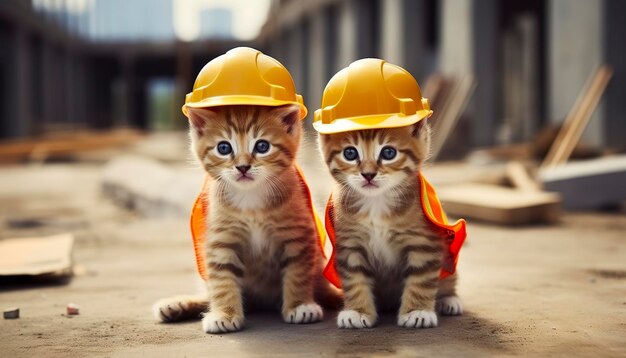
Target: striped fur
261, 247
388, 255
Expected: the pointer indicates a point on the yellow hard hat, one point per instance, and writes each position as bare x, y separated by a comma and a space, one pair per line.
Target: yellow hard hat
243, 76
369, 94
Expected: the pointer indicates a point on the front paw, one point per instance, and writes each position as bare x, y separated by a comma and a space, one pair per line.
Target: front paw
218, 322
168, 311
354, 320
418, 319
305, 313
449, 306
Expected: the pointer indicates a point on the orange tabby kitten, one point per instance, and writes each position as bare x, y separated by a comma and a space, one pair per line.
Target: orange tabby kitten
261, 247
388, 253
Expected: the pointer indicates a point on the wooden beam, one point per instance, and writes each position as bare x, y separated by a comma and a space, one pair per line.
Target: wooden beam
576, 121
451, 112
500, 205
518, 175
60, 145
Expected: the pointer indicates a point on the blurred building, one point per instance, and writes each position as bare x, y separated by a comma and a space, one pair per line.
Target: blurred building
76, 64
530, 58
136, 20
217, 23
102, 63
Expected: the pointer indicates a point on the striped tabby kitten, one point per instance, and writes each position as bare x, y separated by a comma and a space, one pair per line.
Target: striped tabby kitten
261, 248
388, 254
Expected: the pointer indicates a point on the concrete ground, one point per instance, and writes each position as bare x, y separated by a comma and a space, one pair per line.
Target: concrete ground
528, 291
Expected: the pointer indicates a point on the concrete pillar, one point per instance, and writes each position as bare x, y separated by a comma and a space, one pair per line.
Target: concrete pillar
128, 92
317, 64
456, 37
484, 45
574, 53
469, 46
347, 51
368, 28
71, 88
615, 55
392, 37
22, 119
331, 40
47, 84
420, 38
295, 61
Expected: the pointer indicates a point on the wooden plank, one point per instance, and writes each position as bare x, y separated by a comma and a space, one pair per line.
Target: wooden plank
434, 87
64, 144
499, 204
518, 175
451, 112
36, 255
576, 121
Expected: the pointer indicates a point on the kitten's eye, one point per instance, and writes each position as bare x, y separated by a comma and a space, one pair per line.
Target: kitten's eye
350, 154
388, 153
262, 146
224, 148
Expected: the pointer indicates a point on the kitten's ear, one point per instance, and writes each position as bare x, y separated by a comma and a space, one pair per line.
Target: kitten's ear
421, 132
198, 117
417, 128
289, 116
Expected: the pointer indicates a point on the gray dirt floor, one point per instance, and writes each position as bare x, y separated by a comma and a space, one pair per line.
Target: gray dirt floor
528, 291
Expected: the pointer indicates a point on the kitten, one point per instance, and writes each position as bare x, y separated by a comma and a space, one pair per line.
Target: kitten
261, 245
387, 252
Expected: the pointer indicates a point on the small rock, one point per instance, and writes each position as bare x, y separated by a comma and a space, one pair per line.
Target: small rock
12, 313
72, 309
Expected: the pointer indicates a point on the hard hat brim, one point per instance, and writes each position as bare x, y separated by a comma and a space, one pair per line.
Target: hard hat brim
242, 100
341, 125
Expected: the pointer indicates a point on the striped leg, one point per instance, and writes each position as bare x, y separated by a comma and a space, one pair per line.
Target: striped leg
297, 263
417, 309
448, 303
225, 272
357, 277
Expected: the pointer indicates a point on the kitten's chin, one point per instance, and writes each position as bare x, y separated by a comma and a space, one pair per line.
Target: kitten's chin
370, 190
245, 182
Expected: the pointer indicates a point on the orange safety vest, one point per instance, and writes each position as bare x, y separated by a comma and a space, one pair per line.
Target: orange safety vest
199, 215
435, 214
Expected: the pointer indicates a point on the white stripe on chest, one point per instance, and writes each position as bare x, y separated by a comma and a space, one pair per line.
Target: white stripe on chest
247, 199
375, 208
258, 238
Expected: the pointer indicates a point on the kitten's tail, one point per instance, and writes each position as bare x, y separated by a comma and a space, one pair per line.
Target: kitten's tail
327, 295
179, 308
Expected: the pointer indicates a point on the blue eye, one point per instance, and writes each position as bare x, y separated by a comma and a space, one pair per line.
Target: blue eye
261, 146
224, 148
350, 154
388, 153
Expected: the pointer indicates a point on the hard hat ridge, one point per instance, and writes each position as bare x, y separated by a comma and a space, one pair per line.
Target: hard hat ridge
369, 94
243, 76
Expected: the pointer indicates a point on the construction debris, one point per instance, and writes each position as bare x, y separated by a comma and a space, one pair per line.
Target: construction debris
590, 184
576, 121
72, 309
62, 145
168, 192
500, 205
452, 95
586, 185
37, 255
518, 175
12, 313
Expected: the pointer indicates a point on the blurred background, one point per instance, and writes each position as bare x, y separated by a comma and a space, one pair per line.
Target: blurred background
87, 64
96, 179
